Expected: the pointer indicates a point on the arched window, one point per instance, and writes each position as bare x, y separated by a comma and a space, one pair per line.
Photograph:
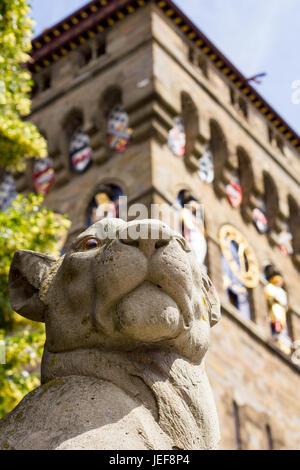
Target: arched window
219, 150
45, 82
277, 300
85, 56
105, 204
111, 97
280, 144
271, 200
34, 90
202, 64
101, 47
192, 224
246, 177
294, 223
73, 121
245, 174
270, 135
237, 426
190, 121
232, 96
192, 54
242, 107
269, 436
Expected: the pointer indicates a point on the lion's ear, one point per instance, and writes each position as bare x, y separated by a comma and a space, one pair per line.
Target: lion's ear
212, 300
27, 272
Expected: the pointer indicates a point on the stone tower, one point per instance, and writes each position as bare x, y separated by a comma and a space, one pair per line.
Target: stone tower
135, 100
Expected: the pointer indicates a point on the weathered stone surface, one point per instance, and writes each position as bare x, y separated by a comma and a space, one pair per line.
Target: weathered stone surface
128, 324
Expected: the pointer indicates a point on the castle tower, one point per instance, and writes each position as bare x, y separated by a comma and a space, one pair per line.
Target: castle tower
135, 100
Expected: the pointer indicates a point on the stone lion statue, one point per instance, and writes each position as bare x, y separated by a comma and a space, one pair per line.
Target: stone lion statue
128, 313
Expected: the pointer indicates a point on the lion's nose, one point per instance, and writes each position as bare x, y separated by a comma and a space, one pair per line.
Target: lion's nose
147, 236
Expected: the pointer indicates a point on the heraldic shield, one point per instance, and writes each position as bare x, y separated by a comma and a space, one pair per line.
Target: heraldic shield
206, 169
234, 191
80, 152
260, 219
118, 131
43, 175
177, 138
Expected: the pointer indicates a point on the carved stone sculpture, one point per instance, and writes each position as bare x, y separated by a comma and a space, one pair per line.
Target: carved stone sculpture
128, 320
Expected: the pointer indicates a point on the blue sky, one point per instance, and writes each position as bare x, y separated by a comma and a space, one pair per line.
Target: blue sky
256, 35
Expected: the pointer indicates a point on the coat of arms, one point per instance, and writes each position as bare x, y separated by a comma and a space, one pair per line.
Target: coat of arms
285, 242
206, 166
80, 152
234, 192
177, 138
260, 219
43, 175
118, 131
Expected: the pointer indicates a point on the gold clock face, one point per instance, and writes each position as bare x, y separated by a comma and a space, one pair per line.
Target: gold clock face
243, 262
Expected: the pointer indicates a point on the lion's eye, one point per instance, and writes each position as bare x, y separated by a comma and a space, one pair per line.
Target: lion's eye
91, 243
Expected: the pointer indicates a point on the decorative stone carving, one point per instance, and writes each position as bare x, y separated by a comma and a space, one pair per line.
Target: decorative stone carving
277, 299
128, 323
192, 225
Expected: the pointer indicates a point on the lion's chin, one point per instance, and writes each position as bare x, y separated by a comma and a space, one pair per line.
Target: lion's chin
148, 314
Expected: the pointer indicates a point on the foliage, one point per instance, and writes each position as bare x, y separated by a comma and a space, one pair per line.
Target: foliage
22, 348
25, 225
18, 139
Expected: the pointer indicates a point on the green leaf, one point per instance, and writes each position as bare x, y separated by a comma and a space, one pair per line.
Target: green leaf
26, 224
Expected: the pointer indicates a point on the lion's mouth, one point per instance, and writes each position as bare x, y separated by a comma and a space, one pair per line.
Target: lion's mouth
181, 298
148, 313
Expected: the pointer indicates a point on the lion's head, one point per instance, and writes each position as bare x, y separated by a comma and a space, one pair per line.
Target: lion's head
120, 286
